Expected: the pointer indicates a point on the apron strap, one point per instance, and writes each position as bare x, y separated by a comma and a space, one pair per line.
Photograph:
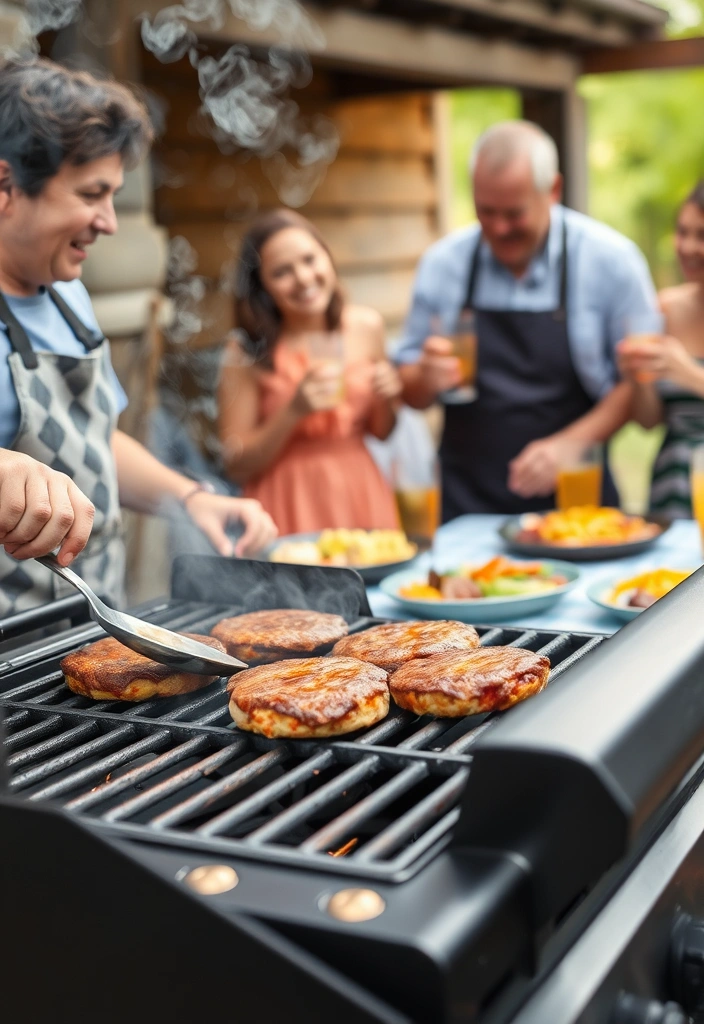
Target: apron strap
18, 336
560, 312
83, 333
21, 343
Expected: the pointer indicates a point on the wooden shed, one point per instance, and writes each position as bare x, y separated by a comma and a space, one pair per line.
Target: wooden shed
379, 77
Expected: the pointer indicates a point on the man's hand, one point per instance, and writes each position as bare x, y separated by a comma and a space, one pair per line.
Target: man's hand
213, 512
40, 510
533, 473
440, 369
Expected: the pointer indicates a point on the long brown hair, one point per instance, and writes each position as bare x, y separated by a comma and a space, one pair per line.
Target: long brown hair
258, 318
696, 196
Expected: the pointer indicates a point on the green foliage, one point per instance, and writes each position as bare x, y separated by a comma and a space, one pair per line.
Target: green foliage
646, 153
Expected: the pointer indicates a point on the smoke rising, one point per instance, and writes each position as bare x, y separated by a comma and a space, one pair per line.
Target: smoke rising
246, 96
47, 15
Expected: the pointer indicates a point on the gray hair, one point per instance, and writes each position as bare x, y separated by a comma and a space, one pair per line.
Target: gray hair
504, 141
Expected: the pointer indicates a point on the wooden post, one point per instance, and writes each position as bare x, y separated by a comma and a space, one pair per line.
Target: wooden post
562, 114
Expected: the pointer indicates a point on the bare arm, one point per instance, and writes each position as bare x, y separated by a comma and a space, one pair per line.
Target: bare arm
437, 370
144, 484
604, 419
646, 405
248, 447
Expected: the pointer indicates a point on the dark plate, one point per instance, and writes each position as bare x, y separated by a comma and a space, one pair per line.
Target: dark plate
598, 553
370, 573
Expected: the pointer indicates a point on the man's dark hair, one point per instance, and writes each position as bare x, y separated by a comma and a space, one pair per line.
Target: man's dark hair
50, 114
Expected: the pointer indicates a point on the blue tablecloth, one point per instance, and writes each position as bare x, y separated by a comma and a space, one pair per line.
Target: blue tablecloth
475, 538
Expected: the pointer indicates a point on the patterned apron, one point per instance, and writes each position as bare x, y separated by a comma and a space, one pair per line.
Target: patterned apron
527, 389
68, 413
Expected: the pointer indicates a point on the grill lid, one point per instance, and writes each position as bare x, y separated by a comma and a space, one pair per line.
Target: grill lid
574, 777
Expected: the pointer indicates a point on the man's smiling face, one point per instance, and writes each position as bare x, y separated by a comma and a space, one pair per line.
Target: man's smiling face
45, 238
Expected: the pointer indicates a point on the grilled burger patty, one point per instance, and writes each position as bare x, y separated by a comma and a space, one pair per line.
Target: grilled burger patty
279, 633
393, 644
107, 670
469, 682
309, 697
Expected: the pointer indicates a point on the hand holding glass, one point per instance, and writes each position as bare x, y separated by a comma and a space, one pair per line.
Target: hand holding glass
464, 348
645, 329
327, 348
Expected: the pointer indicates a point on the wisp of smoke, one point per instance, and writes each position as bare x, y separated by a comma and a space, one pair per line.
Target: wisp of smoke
247, 97
46, 15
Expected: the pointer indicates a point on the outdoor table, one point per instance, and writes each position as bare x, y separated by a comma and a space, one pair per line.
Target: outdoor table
475, 538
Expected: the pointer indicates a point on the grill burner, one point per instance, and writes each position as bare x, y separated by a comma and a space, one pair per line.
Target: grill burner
435, 862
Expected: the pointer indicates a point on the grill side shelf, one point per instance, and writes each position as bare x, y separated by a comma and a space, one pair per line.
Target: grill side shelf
574, 778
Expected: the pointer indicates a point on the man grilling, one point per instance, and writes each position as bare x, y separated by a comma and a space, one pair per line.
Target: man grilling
65, 138
551, 290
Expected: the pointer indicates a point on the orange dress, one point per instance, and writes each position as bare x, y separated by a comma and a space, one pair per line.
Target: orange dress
325, 476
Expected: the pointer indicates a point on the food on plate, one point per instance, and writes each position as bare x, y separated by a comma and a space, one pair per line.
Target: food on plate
309, 697
107, 670
279, 633
585, 526
347, 547
643, 590
499, 577
393, 644
469, 682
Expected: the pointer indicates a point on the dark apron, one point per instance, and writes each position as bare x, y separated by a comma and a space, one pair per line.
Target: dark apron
68, 413
527, 389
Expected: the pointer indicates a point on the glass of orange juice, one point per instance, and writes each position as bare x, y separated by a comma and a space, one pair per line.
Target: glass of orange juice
698, 487
579, 476
417, 491
327, 348
645, 329
464, 346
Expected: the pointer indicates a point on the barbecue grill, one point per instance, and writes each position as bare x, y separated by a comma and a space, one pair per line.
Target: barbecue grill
541, 866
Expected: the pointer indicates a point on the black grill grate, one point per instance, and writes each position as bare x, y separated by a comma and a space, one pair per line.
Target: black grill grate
177, 771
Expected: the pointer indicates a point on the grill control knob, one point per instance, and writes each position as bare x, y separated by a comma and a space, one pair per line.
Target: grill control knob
633, 1010
687, 963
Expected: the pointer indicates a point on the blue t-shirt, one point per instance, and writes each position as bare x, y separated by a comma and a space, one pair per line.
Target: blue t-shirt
48, 332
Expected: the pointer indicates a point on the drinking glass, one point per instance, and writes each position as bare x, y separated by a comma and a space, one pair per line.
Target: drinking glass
645, 328
464, 346
416, 486
579, 476
697, 480
327, 348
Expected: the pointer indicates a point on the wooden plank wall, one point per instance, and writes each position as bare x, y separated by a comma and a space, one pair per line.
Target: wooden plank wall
377, 205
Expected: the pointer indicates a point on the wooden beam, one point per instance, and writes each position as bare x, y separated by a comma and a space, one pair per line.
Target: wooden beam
662, 54
563, 20
416, 53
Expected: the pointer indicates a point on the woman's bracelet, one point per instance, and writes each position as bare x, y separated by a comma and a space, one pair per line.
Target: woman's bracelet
202, 486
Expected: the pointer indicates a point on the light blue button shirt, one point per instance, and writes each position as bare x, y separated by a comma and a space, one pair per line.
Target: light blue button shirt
48, 332
608, 279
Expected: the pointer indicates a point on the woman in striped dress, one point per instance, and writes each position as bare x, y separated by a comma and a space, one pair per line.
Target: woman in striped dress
667, 376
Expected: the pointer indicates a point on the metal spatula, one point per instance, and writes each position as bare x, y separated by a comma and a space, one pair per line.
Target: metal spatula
155, 642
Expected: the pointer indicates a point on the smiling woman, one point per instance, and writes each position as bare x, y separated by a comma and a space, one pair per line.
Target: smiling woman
65, 139
307, 379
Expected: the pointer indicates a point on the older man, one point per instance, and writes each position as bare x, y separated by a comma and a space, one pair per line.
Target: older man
551, 290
